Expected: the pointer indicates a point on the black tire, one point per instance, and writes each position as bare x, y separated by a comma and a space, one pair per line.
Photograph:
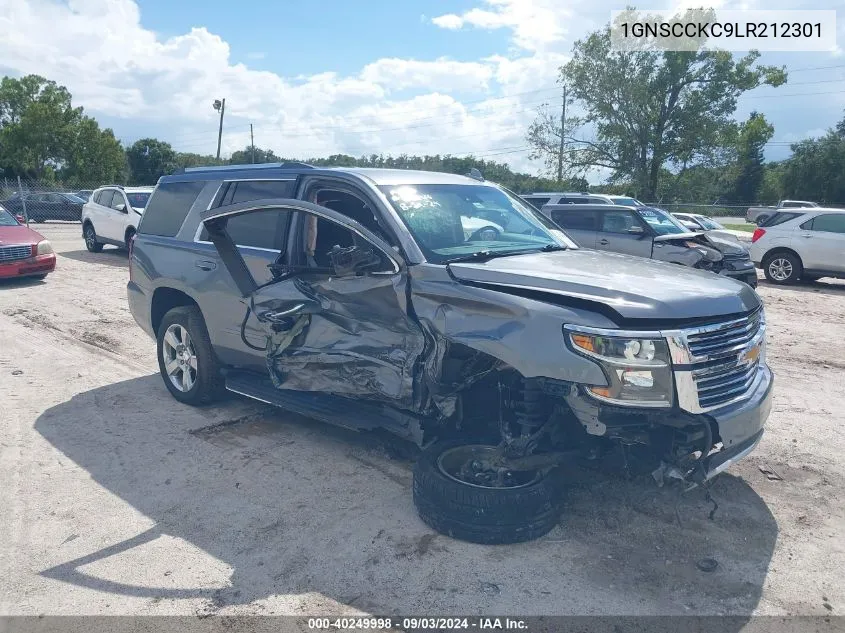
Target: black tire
208, 384
479, 514
782, 268
130, 233
90, 236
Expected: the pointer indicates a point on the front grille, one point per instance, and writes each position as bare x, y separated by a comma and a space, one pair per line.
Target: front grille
13, 253
725, 359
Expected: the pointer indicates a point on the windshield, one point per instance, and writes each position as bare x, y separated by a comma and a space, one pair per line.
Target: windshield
707, 223
628, 202
6, 218
449, 221
70, 197
661, 222
138, 199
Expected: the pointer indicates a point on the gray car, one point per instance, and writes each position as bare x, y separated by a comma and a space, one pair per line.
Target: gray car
356, 297
655, 234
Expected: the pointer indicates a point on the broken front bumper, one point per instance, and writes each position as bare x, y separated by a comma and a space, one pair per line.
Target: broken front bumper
740, 425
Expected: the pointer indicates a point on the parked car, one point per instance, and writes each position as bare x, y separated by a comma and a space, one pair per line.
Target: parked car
699, 223
354, 296
757, 215
23, 252
655, 234
85, 194
111, 215
801, 246
45, 206
538, 200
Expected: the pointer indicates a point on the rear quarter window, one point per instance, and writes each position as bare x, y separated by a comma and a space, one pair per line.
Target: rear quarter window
780, 217
168, 207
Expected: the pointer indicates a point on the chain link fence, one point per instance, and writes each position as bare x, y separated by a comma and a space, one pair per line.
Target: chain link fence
46, 201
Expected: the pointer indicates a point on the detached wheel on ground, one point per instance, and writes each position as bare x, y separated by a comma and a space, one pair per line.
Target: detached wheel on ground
456, 495
782, 268
186, 360
91, 242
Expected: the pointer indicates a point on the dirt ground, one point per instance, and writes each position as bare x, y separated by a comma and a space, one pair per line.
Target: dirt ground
116, 499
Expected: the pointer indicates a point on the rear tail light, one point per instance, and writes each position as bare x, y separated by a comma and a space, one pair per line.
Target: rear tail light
758, 233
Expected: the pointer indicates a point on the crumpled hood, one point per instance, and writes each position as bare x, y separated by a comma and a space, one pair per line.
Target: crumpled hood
725, 245
634, 287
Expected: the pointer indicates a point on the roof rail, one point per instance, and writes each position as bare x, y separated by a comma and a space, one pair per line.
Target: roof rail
115, 186
289, 165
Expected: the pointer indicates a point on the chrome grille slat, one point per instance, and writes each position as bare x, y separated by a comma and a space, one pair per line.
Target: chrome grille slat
14, 253
720, 374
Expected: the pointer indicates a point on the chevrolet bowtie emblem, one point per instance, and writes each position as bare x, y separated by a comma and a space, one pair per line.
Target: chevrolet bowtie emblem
751, 355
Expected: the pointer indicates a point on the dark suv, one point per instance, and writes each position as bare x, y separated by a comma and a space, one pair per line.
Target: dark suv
447, 311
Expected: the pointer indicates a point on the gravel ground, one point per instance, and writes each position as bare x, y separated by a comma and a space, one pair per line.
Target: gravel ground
118, 500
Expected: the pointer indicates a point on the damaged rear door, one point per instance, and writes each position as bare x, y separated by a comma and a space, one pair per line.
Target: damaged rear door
335, 313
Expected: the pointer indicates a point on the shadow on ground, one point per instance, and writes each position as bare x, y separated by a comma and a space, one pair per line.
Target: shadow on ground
109, 256
297, 507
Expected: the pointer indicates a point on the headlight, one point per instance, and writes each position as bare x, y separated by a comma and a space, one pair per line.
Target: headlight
638, 370
44, 248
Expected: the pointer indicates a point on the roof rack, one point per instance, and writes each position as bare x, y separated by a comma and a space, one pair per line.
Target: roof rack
289, 165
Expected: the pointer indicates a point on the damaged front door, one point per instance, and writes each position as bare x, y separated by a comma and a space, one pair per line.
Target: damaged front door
335, 312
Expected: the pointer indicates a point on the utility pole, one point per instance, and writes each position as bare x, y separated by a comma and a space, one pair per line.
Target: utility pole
252, 143
221, 106
562, 134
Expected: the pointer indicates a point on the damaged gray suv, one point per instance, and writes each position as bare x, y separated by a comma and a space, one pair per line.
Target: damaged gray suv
445, 310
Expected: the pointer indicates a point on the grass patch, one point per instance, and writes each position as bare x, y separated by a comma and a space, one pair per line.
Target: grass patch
741, 227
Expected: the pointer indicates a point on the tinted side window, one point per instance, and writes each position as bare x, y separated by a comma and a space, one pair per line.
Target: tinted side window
259, 229
780, 217
538, 202
259, 189
168, 207
576, 220
617, 221
105, 197
832, 223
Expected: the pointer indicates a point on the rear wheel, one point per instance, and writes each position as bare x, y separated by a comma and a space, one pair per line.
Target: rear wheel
458, 495
186, 360
782, 268
91, 242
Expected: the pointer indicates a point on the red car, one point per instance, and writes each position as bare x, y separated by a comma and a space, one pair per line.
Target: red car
23, 252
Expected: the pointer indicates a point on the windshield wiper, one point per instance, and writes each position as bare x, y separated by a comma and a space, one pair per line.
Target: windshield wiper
549, 248
483, 256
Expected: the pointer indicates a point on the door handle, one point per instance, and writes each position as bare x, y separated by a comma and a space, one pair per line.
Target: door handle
281, 315
604, 242
806, 235
204, 264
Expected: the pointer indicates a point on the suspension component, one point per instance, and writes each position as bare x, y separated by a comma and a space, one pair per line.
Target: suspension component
530, 412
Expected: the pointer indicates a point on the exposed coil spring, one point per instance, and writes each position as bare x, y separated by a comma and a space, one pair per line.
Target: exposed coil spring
530, 412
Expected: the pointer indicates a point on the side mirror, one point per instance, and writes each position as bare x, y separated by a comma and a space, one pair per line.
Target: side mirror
121, 207
636, 230
20, 218
352, 260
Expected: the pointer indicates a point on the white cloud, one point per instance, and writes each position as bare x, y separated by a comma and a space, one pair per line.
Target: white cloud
256, 55
440, 74
536, 24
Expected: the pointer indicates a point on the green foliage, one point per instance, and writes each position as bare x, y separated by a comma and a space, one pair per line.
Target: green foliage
649, 110
816, 170
94, 155
149, 159
749, 173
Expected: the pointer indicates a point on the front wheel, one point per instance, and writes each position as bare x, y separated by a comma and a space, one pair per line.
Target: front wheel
782, 268
457, 493
91, 242
186, 360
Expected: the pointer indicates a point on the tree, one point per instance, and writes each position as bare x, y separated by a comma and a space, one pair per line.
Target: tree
751, 139
816, 169
149, 159
648, 110
245, 156
95, 156
37, 125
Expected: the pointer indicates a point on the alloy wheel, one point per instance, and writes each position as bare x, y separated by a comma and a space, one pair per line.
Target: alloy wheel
180, 357
780, 269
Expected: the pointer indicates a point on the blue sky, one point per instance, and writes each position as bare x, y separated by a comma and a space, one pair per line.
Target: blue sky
409, 76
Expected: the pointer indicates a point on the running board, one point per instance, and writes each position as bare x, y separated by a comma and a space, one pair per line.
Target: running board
357, 415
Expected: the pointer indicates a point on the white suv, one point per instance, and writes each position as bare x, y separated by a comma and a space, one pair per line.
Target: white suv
111, 215
803, 244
